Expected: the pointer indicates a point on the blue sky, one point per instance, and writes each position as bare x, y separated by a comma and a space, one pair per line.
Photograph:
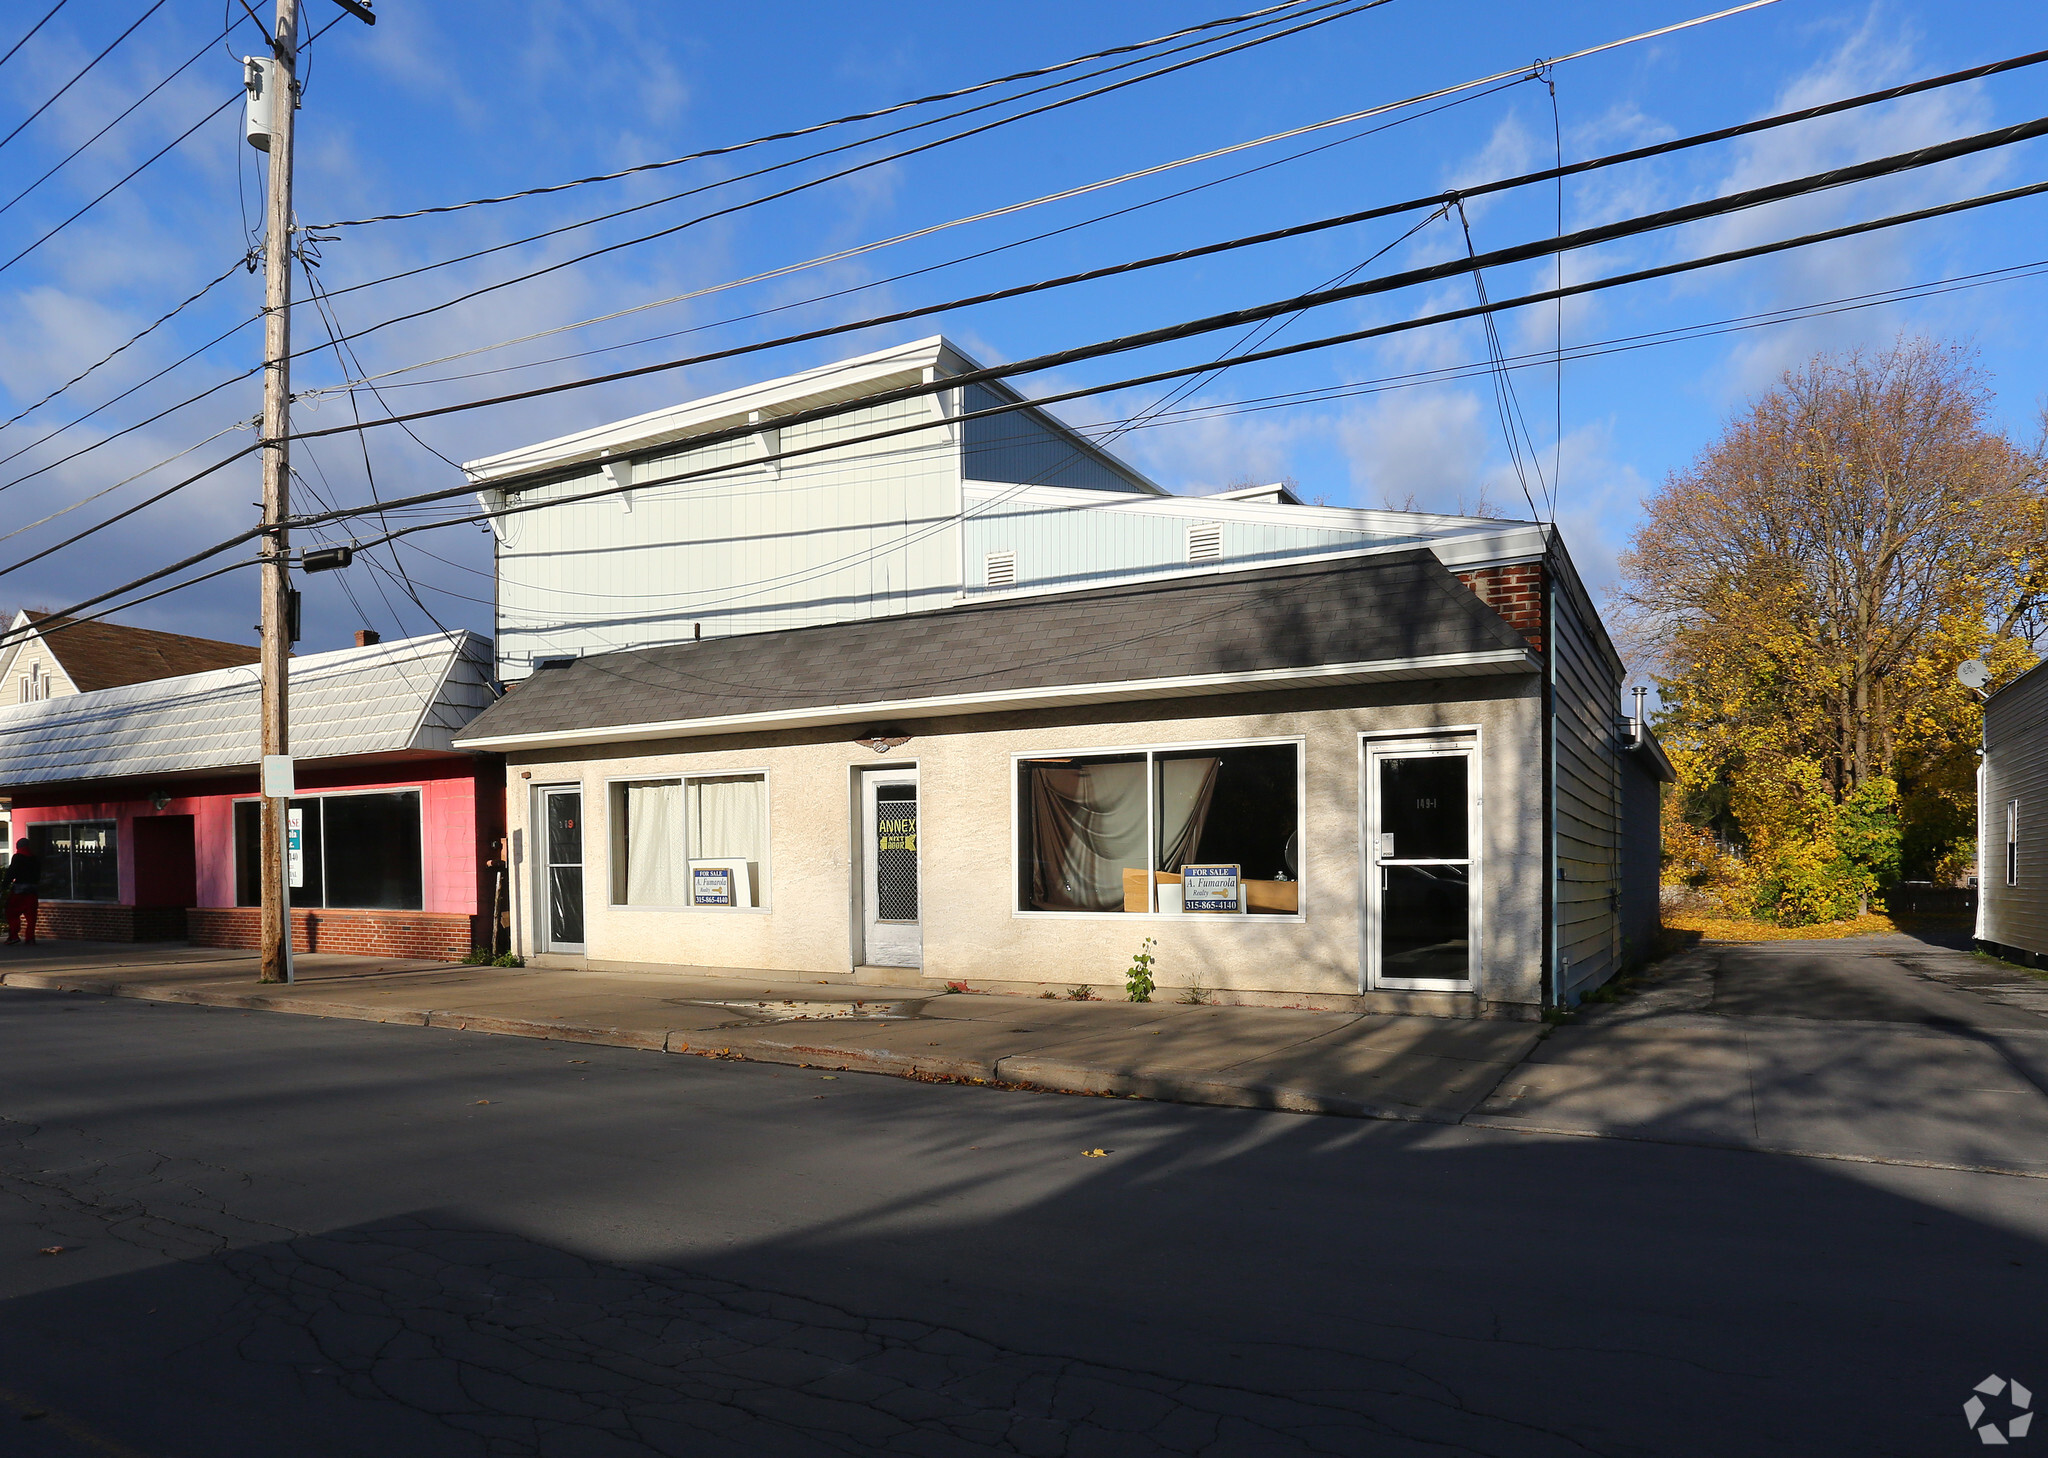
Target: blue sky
455, 100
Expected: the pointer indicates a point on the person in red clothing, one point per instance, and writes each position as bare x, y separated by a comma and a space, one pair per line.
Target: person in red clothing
23, 882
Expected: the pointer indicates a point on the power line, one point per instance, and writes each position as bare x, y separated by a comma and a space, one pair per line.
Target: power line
819, 181
168, 147
134, 339
1673, 217
47, 17
816, 126
82, 72
75, 151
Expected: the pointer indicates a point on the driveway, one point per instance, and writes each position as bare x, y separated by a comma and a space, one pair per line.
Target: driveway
1888, 1049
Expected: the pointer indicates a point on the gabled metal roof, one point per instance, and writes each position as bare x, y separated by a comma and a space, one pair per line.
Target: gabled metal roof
414, 694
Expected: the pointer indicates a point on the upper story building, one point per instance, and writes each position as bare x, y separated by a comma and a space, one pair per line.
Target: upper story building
634, 538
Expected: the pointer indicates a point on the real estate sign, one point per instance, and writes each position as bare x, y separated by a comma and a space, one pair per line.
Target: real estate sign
1209, 888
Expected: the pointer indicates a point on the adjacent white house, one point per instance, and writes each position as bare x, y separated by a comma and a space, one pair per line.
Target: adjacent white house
2012, 822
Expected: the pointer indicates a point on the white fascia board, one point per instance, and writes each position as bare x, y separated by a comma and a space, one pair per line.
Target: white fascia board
677, 422
1502, 544
1385, 670
1412, 528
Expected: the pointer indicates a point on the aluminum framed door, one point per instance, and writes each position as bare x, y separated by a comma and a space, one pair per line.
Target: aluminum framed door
891, 899
561, 869
1423, 911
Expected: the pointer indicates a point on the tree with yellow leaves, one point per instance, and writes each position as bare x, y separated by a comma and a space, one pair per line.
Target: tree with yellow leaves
1805, 589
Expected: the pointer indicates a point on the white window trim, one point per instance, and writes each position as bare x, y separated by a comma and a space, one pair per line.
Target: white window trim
1300, 743
766, 890
1448, 739
419, 789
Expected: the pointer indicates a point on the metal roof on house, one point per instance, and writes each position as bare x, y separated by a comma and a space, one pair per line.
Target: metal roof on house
386, 698
1346, 619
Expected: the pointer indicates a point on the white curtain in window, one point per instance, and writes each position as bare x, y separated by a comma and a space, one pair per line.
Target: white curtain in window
729, 822
1087, 826
654, 843
1186, 789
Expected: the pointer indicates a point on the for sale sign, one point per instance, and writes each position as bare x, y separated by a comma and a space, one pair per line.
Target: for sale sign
1209, 888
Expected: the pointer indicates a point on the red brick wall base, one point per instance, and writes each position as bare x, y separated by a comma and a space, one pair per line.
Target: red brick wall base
425, 934
100, 921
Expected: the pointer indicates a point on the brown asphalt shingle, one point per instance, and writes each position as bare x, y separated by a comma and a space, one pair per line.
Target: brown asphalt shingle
100, 655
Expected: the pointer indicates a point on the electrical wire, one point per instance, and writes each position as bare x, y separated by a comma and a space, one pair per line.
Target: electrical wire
47, 17
1589, 237
82, 73
136, 172
73, 154
819, 181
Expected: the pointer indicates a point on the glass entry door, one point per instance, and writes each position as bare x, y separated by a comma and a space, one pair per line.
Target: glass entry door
1422, 909
561, 820
893, 934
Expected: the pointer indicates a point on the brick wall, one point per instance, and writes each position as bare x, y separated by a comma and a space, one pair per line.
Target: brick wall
425, 934
92, 921
1515, 592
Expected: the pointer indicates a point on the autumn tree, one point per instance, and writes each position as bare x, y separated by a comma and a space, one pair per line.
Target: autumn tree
1804, 590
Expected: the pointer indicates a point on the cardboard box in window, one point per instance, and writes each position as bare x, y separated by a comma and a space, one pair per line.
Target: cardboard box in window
1266, 897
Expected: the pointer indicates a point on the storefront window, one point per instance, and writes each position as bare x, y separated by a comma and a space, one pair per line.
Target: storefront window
354, 851
78, 860
698, 841
1115, 832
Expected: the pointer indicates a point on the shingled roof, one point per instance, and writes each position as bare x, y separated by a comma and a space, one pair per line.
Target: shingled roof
1358, 618
99, 655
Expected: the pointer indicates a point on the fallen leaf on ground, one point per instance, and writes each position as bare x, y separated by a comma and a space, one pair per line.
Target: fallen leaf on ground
579, 1060
1094, 1153
828, 1077
55, 1249
483, 1101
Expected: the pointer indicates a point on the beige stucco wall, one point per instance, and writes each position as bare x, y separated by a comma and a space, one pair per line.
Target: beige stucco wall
966, 835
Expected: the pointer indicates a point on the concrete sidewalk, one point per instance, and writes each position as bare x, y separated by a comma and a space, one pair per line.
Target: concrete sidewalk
1432, 1070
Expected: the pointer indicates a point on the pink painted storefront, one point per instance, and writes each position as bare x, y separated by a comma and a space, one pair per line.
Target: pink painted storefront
142, 839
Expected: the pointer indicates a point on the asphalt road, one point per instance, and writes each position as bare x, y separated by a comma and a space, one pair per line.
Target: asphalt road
290, 1236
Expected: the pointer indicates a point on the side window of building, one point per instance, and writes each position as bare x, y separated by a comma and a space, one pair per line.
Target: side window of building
1115, 832
357, 852
79, 863
2012, 842
695, 841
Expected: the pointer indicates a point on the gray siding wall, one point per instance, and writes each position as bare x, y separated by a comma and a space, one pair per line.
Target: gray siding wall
2015, 768
850, 533
1060, 545
1587, 814
1025, 448
1642, 856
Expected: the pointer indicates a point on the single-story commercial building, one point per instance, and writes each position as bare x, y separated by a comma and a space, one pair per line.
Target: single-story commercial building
142, 801
1352, 780
2012, 822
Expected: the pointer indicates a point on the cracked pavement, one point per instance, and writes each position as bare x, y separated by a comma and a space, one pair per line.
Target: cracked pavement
295, 1235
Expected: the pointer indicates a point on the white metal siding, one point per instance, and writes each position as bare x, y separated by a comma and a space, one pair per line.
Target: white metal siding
1588, 812
1061, 545
854, 532
2015, 768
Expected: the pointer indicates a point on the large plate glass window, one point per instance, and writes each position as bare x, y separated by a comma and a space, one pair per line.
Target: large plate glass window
78, 860
346, 852
697, 841
1113, 832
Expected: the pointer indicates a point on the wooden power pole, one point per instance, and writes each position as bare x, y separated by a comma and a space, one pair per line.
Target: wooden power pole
280, 95
281, 84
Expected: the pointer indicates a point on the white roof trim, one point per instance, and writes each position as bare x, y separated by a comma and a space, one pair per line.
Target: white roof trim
675, 422
1442, 665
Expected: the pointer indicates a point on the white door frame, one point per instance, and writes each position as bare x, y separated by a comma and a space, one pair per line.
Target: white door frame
1418, 745
543, 863
886, 944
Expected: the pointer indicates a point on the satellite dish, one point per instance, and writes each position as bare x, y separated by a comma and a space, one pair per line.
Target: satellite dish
1972, 673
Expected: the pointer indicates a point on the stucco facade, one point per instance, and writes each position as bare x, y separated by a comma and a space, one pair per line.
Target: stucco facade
972, 929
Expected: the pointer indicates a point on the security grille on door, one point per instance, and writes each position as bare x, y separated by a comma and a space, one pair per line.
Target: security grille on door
1205, 541
896, 853
1000, 569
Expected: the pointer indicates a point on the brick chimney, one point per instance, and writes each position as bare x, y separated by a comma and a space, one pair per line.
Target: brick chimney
367, 636
1515, 592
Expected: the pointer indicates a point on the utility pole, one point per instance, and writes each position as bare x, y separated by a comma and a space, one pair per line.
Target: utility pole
280, 91
283, 89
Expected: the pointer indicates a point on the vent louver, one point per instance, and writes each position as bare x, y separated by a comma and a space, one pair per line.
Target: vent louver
1205, 541
999, 569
